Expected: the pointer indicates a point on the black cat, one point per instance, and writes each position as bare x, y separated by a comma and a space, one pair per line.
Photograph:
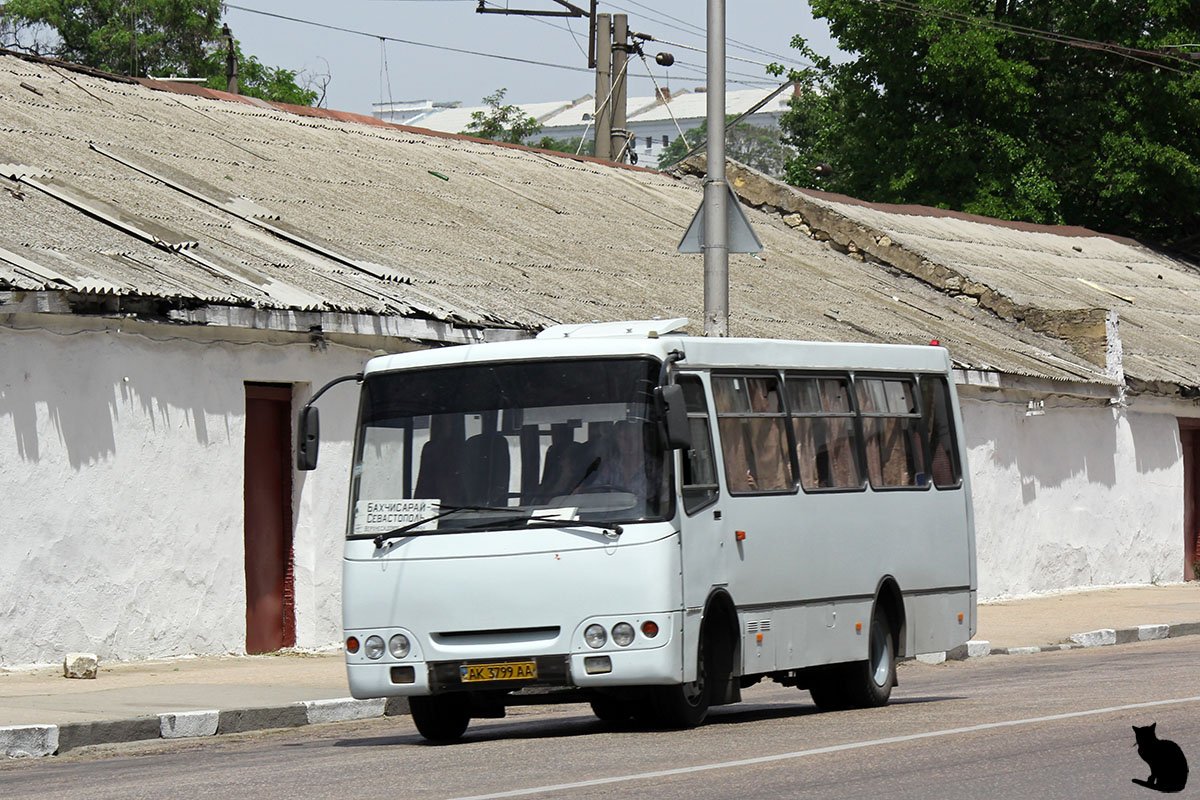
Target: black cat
1168, 767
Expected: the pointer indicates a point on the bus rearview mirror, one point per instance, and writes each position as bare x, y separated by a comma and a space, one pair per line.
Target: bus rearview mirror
672, 410
308, 438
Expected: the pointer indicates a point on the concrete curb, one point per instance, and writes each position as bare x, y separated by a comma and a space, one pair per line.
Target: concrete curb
35, 741
1103, 637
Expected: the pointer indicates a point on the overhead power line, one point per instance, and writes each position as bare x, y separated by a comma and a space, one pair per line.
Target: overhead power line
1133, 53
381, 36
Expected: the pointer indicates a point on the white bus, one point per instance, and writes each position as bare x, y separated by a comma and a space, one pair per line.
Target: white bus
651, 522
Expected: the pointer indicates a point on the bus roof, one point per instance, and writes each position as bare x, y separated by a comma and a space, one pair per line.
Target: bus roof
723, 353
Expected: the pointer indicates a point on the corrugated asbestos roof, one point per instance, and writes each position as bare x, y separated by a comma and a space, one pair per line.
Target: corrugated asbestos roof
1156, 297
116, 188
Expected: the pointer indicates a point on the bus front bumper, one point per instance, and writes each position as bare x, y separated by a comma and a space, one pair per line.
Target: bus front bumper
610, 668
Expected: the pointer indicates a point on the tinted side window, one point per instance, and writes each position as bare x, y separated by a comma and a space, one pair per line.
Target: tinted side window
892, 435
826, 438
945, 467
699, 480
754, 443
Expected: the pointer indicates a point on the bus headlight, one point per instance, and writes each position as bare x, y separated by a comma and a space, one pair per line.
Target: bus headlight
622, 634
373, 647
595, 636
398, 645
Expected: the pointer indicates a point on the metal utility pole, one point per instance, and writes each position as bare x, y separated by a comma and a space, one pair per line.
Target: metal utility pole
231, 77
603, 117
620, 55
716, 189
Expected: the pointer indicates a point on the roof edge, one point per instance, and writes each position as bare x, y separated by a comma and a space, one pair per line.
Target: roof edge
300, 111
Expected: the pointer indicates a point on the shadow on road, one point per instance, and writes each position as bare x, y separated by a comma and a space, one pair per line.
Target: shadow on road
564, 727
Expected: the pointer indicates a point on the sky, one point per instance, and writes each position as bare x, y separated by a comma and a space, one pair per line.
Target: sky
364, 70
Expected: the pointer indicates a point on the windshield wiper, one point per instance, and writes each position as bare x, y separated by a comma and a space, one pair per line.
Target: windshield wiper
444, 511
610, 529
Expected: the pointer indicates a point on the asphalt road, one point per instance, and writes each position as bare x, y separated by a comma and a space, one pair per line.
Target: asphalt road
1049, 725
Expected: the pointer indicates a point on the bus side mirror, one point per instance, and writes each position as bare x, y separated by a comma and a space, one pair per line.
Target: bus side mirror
672, 410
308, 438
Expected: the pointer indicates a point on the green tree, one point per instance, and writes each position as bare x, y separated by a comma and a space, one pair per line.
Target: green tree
945, 103
753, 145
143, 38
571, 145
502, 123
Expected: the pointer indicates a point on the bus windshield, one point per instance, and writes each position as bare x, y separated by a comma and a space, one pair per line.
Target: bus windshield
509, 445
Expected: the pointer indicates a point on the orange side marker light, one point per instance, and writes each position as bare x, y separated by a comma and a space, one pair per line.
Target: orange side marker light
858, 627
739, 535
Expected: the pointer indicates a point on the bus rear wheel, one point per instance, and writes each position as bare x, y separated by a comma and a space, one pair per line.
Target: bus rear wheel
861, 684
441, 718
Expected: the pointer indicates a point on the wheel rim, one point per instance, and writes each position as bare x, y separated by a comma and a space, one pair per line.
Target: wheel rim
881, 654
693, 693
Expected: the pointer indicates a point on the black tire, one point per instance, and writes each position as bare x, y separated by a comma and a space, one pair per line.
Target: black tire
441, 718
685, 705
861, 684
610, 709
828, 691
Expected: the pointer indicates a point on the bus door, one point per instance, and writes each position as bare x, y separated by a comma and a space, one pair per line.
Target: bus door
705, 551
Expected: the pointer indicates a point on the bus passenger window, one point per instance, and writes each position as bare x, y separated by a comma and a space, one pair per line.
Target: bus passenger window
892, 435
753, 439
699, 481
823, 424
944, 464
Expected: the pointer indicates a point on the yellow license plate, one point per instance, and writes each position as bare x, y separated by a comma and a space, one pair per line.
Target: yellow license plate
506, 671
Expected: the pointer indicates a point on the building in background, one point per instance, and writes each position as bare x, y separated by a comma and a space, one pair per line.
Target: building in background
654, 121
167, 306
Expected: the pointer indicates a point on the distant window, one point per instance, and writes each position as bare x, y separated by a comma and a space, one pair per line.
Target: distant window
666, 140
892, 436
752, 425
649, 143
823, 424
944, 465
699, 469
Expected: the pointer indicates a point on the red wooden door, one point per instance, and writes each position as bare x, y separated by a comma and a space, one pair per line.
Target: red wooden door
270, 607
1189, 437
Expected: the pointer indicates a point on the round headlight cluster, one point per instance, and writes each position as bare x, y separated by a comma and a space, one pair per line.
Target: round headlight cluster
623, 634
595, 636
398, 645
373, 647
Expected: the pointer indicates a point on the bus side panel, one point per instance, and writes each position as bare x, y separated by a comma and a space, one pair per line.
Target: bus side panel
939, 621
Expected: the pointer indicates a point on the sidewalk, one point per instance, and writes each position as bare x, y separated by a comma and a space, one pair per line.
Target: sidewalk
42, 713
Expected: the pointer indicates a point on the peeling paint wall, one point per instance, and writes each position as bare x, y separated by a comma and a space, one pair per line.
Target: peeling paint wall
121, 461
1078, 496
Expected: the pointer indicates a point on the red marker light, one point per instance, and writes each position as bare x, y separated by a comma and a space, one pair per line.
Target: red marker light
352, 644
934, 343
650, 629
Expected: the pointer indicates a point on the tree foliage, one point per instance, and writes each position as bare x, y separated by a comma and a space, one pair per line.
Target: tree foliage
575, 145
753, 145
502, 123
151, 38
973, 116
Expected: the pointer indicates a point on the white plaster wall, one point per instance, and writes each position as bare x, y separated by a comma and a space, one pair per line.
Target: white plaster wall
1081, 496
121, 473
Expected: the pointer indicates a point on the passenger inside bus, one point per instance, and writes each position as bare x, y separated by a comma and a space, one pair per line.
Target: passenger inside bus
565, 464
438, 477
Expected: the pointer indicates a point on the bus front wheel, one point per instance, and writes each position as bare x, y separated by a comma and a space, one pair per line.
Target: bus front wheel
440, 718
685, 705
